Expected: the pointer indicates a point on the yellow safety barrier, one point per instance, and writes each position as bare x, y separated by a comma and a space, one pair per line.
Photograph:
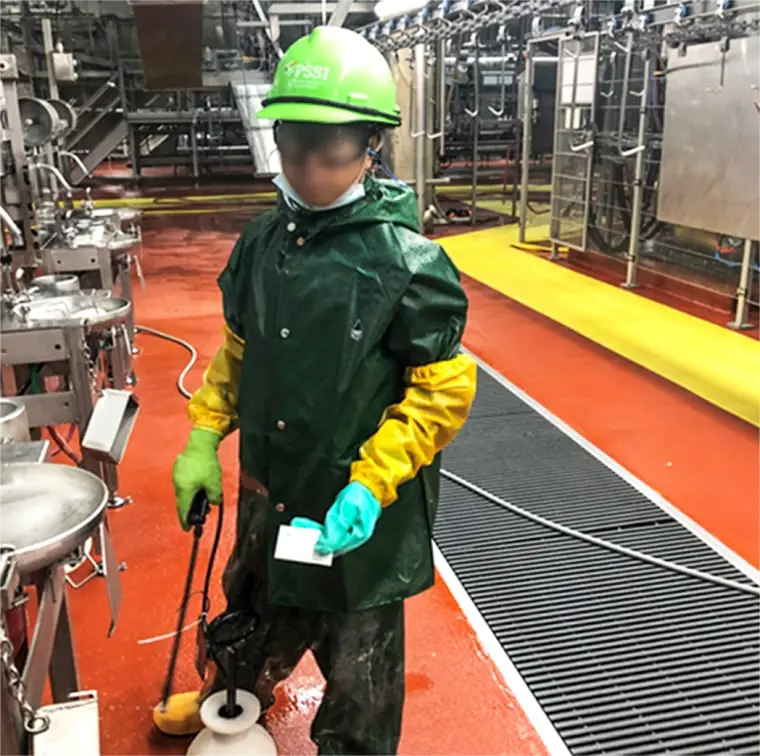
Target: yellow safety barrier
715, 363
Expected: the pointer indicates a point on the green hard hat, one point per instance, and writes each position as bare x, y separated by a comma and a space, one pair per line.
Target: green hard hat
332, 75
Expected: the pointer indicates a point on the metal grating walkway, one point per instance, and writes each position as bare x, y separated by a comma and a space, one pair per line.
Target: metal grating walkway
624, 657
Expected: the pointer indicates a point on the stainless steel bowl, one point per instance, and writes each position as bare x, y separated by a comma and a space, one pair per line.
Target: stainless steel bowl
47, 511
94, 310
56, 284
14, 423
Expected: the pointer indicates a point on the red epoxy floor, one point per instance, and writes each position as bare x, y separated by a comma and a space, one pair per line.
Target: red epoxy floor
455, 704
702, 460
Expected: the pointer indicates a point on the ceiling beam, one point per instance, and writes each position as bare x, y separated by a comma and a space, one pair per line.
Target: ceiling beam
315, 9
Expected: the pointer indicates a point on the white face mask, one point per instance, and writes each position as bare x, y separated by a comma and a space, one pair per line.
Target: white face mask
352, 194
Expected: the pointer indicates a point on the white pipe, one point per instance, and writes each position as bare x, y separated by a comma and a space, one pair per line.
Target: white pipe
85, 170
61, 180
18, 237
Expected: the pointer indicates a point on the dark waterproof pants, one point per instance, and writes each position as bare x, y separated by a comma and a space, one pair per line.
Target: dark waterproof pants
361, 655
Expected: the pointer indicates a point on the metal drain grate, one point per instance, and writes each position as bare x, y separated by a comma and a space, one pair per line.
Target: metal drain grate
624, 657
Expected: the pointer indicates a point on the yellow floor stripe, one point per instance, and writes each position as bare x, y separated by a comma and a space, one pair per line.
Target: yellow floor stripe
715, 363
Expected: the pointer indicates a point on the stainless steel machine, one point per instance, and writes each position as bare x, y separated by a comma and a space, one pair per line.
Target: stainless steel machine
66, 315
47, 511
60, 354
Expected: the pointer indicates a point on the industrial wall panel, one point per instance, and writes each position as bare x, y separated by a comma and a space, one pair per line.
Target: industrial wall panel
710, 174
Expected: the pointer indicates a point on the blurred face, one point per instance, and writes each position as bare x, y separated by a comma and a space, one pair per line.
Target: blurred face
322, 161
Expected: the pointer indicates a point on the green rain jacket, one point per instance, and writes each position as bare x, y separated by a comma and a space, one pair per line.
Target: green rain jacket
332, 307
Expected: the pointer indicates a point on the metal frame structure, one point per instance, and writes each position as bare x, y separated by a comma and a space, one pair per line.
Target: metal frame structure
573, 116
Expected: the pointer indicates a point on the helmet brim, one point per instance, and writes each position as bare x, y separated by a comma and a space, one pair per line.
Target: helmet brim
315, 113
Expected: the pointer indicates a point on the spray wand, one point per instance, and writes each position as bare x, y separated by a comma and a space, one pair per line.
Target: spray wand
196, 518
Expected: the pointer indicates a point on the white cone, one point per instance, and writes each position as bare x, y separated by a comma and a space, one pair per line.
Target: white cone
228, 737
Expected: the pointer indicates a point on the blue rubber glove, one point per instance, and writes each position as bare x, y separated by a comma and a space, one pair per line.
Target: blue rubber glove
350, 521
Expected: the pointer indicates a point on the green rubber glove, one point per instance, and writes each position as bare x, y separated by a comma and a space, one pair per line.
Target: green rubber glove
195, 469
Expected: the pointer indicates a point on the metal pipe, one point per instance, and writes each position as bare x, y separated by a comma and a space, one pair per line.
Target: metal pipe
517, 153
527, 138
18, 237
85, 170
442, 103
638, 185
48, 47
428, 182
475, 133
419, 136
742, 290
194, 144
61, 180
282, 22
624, 93
267, 28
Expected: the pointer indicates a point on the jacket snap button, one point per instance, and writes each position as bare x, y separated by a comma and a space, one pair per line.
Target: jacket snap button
300, 241
281, 424
284, 333
291, 226
280, 507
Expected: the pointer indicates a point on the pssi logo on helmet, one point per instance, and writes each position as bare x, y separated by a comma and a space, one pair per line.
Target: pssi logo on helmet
306, 71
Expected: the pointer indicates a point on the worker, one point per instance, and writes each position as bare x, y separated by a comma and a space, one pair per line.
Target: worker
342, 369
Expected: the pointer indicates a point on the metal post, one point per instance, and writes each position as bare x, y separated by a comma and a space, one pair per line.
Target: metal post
638, 181
341, 11
527, 132
475, 131
194, 144
134, 150
419, 121
741, 320
442, 102
50, 592
47, 43
63, 667
517, 152
9, 75
12, 735
79, 376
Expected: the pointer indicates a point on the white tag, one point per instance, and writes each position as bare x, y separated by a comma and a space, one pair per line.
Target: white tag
297, 545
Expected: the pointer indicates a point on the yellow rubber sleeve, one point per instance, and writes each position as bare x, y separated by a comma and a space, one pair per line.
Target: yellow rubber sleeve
436, 403
214, 405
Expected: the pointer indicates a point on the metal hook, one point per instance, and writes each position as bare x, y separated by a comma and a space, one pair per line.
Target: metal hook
503, 100
472, 113
632, 151
581, 147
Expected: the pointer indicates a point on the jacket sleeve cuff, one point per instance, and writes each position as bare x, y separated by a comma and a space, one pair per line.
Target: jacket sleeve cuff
383, 491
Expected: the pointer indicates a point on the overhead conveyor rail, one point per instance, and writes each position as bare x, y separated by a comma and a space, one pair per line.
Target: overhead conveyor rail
623, 656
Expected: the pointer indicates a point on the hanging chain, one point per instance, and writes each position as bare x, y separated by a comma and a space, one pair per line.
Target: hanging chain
34, 722
92, 371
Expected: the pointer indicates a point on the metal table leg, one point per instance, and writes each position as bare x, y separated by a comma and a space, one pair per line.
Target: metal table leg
63, 668
51, 649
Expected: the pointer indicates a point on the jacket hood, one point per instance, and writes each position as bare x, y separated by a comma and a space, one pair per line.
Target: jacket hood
384, 202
